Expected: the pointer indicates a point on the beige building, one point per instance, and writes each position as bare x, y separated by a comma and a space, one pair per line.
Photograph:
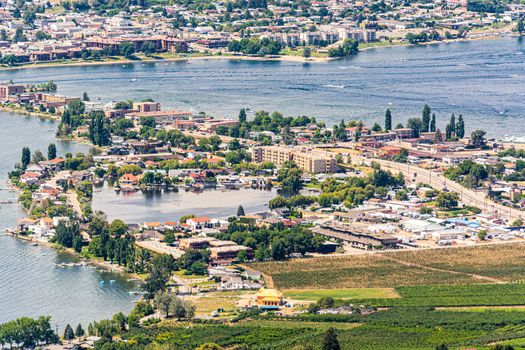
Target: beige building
7, 90
146, 106
309, 160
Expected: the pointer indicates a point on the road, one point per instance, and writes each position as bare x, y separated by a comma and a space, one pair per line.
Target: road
75, 204
439, 182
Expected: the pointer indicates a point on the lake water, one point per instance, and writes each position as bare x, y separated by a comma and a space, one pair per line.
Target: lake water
30, 283
483, 80
138, 207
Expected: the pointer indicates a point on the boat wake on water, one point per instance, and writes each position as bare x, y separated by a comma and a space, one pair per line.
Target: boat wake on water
334, 86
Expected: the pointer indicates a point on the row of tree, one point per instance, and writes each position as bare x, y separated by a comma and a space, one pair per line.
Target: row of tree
27, 333
255, 46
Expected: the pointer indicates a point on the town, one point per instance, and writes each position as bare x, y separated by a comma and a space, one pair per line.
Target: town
345, 191
82, 32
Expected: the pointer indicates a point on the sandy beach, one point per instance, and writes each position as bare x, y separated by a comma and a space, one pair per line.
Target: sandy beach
297, 59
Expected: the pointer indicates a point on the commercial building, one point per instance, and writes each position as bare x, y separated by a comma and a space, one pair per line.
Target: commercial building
161, 116
50, 100
310, 160
195, 242
163, 43
227, 254
362, 240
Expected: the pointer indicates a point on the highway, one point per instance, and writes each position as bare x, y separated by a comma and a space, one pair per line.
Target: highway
439, 182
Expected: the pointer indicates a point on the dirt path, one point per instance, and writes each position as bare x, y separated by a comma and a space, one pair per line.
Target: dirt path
75, 204
430, 268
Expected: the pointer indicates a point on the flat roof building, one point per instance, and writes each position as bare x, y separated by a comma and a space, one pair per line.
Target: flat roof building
357, 239
309, 160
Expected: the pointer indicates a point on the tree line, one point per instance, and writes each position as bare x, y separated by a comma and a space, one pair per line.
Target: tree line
27, 333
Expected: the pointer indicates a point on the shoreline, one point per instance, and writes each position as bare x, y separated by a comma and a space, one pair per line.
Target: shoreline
105, 266
24, 112
281, 58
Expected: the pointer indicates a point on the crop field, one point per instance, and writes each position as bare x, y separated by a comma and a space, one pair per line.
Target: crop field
473, 265
453, 296
397, 328
505, 262
358, 271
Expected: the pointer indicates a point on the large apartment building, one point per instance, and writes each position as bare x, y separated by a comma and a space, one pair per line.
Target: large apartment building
7, 90
310, 160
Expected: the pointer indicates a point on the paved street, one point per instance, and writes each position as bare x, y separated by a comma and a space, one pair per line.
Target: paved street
439, 182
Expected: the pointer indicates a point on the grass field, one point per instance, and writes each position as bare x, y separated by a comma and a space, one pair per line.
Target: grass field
342, 294
481, 264
213, 301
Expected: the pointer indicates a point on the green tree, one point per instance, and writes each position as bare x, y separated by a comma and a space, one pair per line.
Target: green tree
79, 332
126, 49
68, 333
240, 211
289, 175
40, 36
482, 234
415, 125
348, 48
477, 138
99, 132
76, 107
451, 127
37, 157
330, 341
425, 119
278, 249
19, 36
388, 120
159, 272
163, 302
149, 48
26, 157
447, 200
51, 151
376, 127
307, 52
520, 27
460, 127
242, 116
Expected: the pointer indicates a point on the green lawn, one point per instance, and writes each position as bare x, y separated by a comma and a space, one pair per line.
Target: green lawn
347, 293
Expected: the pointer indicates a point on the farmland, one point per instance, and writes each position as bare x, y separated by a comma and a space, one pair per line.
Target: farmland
464, 297
453, 295
481, 264
397, 328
